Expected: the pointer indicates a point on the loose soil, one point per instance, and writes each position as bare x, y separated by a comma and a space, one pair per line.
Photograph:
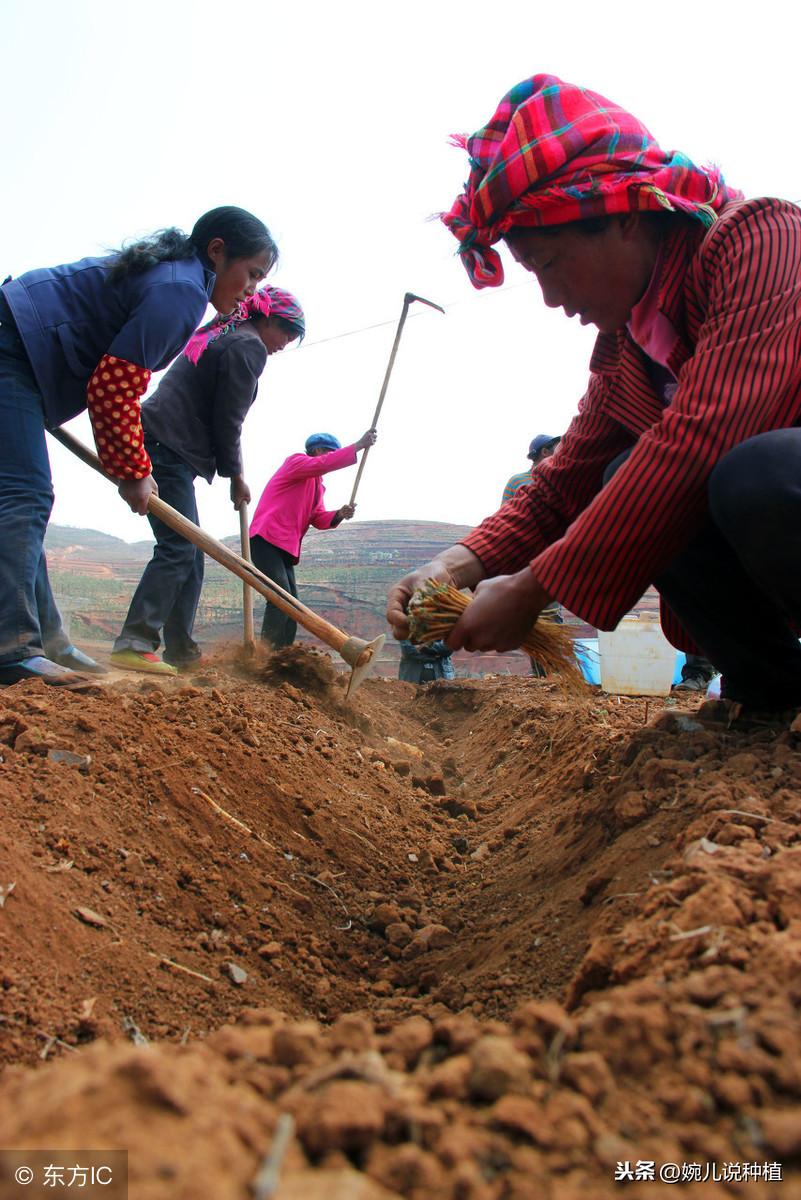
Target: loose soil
478, 942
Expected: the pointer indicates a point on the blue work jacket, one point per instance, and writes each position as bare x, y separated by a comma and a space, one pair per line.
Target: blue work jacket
70, 316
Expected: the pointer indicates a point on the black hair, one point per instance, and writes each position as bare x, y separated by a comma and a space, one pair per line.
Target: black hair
587, 225
243, 234
591, 226
659, 221
289, 327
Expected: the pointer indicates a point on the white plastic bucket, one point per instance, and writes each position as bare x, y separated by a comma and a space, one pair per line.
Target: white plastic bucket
636, 658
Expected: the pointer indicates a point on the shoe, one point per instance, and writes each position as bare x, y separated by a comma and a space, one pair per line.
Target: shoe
140, 660
182, 665
731, 714
693, 683
76, 660
39, 667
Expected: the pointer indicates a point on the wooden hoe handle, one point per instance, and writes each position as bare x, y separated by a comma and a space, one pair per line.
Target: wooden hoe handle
247, 594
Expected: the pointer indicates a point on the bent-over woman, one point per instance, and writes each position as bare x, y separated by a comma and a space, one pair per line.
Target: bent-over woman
89, 334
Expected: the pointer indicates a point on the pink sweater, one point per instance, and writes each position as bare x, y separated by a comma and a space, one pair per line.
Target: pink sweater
293, 499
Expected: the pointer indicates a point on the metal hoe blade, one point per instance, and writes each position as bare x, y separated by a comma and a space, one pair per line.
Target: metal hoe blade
361, 657
410, 298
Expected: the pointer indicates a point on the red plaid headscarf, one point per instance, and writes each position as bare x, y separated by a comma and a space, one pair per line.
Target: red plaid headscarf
267, 302
554, 153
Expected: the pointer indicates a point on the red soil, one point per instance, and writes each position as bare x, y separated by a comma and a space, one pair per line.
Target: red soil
478, 942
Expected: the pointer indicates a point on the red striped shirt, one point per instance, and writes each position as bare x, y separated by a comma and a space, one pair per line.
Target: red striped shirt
734, 297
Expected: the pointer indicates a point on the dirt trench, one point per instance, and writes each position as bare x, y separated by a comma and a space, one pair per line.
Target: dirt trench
479, 942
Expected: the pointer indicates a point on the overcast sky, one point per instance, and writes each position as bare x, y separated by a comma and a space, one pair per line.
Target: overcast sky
330, 122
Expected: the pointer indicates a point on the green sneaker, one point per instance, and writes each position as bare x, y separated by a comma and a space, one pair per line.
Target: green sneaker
140, 660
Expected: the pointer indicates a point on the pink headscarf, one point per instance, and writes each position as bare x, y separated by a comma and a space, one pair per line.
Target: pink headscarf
267, 302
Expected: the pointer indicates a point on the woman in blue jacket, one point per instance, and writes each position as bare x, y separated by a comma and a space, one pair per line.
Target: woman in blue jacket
88, 335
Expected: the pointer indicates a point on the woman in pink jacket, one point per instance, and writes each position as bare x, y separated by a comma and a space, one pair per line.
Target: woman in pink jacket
289, 504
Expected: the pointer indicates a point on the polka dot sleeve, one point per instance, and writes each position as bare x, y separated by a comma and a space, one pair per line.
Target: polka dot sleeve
113, 395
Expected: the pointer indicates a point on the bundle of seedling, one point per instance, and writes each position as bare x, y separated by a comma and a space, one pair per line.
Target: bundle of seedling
434, 610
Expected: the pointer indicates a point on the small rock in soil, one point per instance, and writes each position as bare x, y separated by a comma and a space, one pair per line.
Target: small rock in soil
90, 917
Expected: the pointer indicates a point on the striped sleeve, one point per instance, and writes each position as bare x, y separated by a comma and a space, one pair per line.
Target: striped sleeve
540, 511
743, 378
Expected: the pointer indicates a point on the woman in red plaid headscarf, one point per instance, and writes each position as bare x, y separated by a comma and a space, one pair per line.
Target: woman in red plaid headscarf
192, 427
681, 468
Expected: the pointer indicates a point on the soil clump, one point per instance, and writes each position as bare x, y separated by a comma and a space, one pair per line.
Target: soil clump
478, 941
307, 669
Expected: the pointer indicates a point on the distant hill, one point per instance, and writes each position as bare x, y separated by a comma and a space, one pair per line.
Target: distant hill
92, 545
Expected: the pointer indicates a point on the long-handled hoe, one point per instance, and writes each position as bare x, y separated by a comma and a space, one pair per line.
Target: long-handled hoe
357, 653
409, 299
247, 594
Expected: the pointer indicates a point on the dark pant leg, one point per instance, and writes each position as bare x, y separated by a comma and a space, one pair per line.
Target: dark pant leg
169, 590
54, 639
277, 628
696, 667
755, 501
748, 626
737, 584
180, 646
26, 498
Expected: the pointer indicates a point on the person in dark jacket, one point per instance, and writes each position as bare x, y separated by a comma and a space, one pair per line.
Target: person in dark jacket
425, 663
89, 334
192, 426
